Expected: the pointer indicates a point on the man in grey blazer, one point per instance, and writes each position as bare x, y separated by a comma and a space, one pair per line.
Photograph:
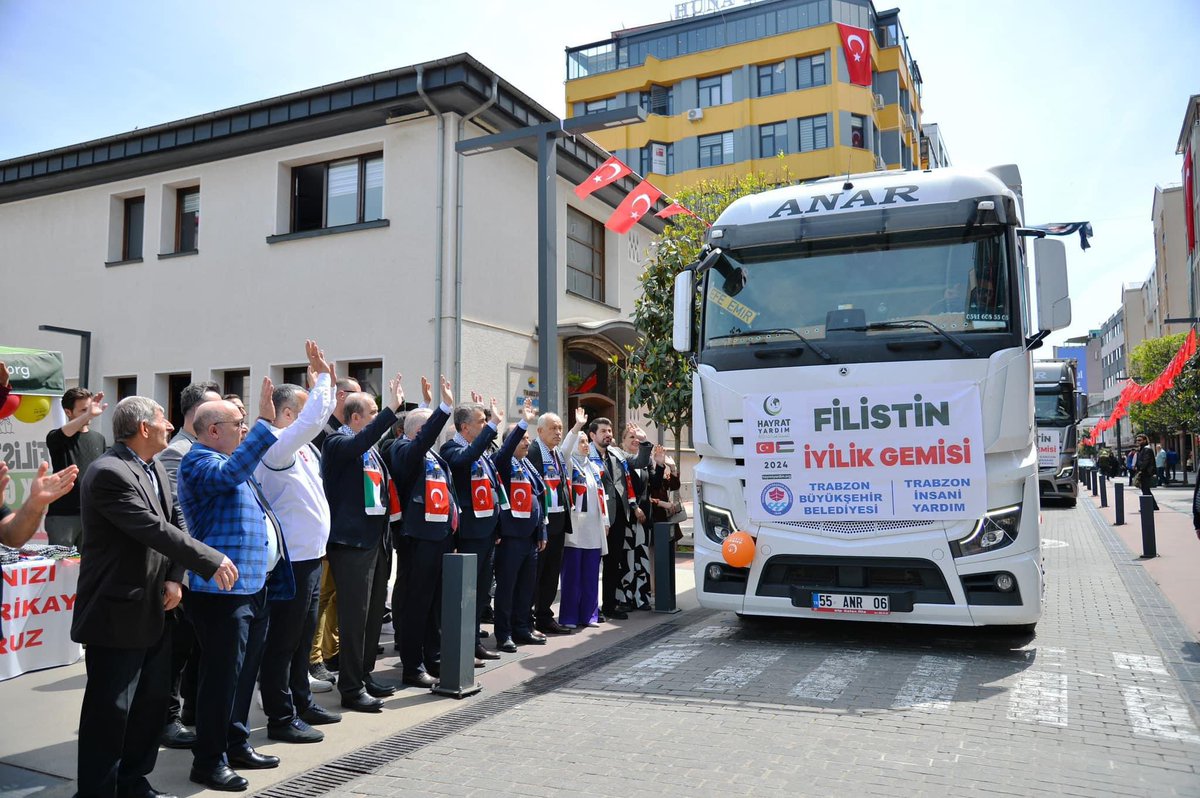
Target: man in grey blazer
134, 556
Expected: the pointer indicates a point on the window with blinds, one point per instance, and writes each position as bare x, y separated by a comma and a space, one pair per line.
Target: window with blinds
336, 193
814, 133
187, 219
716, 149
811, 71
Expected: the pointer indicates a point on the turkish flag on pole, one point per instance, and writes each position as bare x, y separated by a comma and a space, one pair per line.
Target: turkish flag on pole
673, 209
634, 207
856, 45
610, 171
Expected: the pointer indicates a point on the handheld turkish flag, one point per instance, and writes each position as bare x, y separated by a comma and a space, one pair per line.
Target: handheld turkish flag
483, 498
610, 171
634, 207
856, 45
521, 496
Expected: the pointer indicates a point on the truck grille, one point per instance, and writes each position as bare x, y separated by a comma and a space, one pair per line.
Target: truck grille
855, 528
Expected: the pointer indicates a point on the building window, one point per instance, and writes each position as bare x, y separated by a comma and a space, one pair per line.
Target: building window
716, 149
659, 100
857, 135
770, 79
658, 158
716, 90
595, 106
131, 235
175, 385
187, 220
811, 71
337, 192
772, 139
585, 255
296, 375
369, 376
126, 387
814, 133
236, 381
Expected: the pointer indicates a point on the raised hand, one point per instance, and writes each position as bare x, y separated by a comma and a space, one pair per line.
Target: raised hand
638, 432
659, 454
316, 359
426, 391
527, 412
396, 392
447, 393
266, 408
476, 397
580, 418
46, 487
96, 404
497, 413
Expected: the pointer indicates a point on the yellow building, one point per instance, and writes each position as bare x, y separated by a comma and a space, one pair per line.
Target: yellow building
729, 90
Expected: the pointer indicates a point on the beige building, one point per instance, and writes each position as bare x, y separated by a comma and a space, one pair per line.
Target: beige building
211, 247
1172, 278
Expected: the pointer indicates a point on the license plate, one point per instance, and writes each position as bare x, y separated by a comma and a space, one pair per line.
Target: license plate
850, 602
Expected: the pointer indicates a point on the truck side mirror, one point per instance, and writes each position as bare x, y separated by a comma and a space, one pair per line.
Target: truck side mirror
1053, 298
685, 298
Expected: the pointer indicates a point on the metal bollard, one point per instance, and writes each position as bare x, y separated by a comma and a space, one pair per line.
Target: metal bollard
1092, 481
664, 568
458, 627
1103, 491
1149, 545
1119, 502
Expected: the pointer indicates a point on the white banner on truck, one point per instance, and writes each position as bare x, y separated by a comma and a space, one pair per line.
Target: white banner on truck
1049, 446
883, 453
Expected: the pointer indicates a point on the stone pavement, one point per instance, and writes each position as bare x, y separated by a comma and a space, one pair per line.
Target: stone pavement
1092, 704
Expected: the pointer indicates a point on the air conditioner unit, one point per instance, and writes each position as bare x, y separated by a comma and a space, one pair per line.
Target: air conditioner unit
879, 164
879, 102
695, 114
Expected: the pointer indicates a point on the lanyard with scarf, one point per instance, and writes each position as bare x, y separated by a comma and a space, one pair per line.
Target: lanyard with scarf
374, 476
525, 485
437, 491
598, 461
579, 486
553, 476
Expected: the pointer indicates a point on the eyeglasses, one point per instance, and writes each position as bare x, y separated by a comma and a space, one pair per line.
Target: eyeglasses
239, 422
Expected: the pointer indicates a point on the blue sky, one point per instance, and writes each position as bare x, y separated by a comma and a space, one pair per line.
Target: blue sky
1087, 97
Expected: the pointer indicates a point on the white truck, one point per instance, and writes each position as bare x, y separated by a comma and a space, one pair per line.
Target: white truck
1057, 407
863, 398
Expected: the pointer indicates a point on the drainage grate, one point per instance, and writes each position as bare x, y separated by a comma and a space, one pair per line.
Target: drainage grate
341, 771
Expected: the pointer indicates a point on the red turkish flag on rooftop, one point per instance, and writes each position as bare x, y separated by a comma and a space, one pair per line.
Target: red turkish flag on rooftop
633, 207
856, 45
610, 171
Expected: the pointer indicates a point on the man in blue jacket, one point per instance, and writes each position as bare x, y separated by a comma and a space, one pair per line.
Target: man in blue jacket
522, 536
225, 509
356, 485
431, 515
479, 493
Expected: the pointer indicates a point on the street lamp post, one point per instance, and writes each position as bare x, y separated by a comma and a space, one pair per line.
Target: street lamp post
85, 349
546, 137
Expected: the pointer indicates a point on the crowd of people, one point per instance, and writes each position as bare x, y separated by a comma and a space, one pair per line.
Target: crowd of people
238, 556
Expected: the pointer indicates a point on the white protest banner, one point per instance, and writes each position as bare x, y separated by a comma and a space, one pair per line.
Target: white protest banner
883, 453
38, 602
1049, 441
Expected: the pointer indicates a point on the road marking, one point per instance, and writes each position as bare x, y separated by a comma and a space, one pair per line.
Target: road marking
743, 670
1039, 697
931, 685
1140, 663
652, 668
1159, 712
713, 632
1051, 543
830, 679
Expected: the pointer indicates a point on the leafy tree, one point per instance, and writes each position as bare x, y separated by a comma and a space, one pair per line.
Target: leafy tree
659, 378
1176, 410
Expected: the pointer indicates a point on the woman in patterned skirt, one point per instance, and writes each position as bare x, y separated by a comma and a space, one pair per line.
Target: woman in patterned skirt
635, 576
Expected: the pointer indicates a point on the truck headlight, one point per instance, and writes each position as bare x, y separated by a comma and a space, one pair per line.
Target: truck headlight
718, 522
1065, 473
994, 531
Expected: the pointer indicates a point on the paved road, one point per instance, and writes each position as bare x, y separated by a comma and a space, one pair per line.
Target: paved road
1090, 705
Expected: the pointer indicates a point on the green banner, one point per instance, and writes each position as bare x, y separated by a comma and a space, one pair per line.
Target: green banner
34, 371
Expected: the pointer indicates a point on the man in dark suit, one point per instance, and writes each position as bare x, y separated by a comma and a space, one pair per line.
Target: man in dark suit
615, 470
431, 514
225, 508
356, 486
134, 556
477, 489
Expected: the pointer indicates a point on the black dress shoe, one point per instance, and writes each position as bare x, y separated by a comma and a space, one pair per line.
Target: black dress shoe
317, 715
536, 639
508, 646
625, 606
419, 679
295, 732
361, 702
221, 778
483, 653
176, 735
618, 614
379, 689
479, 663
554, 628
249, 759
434, 669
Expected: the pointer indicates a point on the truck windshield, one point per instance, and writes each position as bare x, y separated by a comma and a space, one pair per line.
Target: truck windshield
826, 289
1051, 408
